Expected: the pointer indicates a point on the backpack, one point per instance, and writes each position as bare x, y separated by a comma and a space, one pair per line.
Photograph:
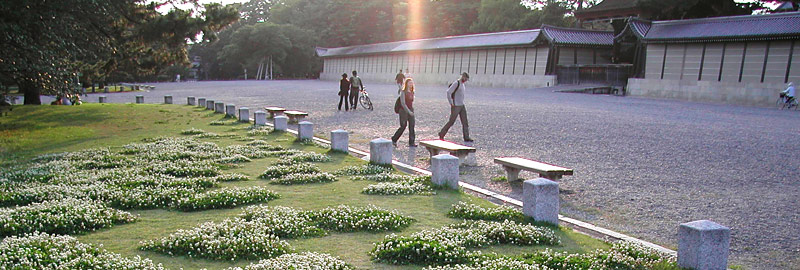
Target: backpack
453, 95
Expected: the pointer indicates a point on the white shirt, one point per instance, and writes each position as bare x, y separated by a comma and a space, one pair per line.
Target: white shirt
789, 91
456, 99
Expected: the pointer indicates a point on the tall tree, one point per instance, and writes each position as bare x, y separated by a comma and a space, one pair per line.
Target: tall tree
45, 43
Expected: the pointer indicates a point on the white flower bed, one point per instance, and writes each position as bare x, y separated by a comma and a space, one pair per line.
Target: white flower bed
403, 188
259, 130
232, 177
273, 172
494, 264
345, 218
299, 261
305, 178
65, 216
193, 131
475, 212
386, 177
283, 221
225, 198
363, 170
42, 251
230, 239
309, 157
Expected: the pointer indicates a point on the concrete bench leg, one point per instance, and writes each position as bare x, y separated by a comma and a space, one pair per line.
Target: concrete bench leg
512, 174
554, 177
433, 151
464, 160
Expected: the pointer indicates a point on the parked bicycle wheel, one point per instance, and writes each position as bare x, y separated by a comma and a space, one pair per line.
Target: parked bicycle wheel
366, 103
780, 103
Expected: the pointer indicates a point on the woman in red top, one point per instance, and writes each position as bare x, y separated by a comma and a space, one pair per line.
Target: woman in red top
406, 113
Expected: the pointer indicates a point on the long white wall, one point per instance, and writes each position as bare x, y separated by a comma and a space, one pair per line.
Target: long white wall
497, 67
749, 73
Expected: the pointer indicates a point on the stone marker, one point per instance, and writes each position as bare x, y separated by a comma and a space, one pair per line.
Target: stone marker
281, 123
444, 170
102, 99
209, 104
339, 140
703, 245
230, 110
190, 101
105, 90
305, 130
244, 114
219, 107
380, 151
540, 200
168, 99
139, 99
260, 118
201, 102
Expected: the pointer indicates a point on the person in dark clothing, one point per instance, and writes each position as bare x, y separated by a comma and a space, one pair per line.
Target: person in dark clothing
355, 86
399, 80
344, 86
406, 112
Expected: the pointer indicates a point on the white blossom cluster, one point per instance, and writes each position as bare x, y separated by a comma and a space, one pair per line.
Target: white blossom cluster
299, 261
449, 244
385, 177
492, 264
309, 157
283, 221
43, 251
264, 145
304, 178
278, 171
622, 255
259, 130
476, 212
193, 131
402, 188
230, 239
225, 198
231, 177
363, 170
65, 216
345, 218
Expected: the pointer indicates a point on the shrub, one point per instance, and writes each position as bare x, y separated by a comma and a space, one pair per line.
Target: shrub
283, 221
299, 261
225, 198
385, 177
220, 123
305, 178
403, 188
44, 251
309, 157
193, 131
349, 219
233, 177
273, 172
475, 212
363, 170
230, 239
65, 216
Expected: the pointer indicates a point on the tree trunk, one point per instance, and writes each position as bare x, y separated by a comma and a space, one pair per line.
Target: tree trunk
31, 92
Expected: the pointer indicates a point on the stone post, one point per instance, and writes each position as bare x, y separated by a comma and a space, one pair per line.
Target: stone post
230, 110
281, 123
703, 245
540, 200
219, 107
102, 99
209, 104
260, 118
105, 90
444, 170
139, 99
305, 130
380, 151
201, 102
168, 99
339, 140
244, 114
190, 101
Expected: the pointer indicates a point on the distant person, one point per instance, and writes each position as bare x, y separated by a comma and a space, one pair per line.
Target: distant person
789, 94
406, 112
344, 86
407, 74
355, 85
399, 80
455, 95
66, 100
178, 78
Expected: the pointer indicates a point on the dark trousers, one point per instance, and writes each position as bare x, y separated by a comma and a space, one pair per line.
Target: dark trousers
353, 98
460, 112
346, 101
405, 120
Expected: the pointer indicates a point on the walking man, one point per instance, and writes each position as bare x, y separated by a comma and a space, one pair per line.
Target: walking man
455, 95
355, 86
399, 80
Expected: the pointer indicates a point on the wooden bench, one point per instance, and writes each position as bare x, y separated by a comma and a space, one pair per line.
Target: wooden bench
274, 111
295, 116
460, 151
513, 165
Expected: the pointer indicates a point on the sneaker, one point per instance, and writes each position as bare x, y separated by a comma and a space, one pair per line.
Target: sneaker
469, 140
412, 145
394, 143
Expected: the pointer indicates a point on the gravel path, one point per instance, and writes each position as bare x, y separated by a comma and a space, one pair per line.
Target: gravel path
642, 166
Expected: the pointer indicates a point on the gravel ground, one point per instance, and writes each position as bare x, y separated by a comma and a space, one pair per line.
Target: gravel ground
642, 166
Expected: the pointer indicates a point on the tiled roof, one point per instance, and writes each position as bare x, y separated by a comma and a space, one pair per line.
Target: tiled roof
523, 37
577, 37
750, 27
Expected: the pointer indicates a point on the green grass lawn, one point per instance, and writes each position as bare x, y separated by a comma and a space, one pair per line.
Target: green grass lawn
34, 130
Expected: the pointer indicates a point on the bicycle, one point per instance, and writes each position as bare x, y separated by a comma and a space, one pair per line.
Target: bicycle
781, 103
364, 100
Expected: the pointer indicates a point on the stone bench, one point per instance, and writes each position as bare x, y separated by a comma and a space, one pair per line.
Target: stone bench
460, 151
273, 111
295, 116
513, 165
